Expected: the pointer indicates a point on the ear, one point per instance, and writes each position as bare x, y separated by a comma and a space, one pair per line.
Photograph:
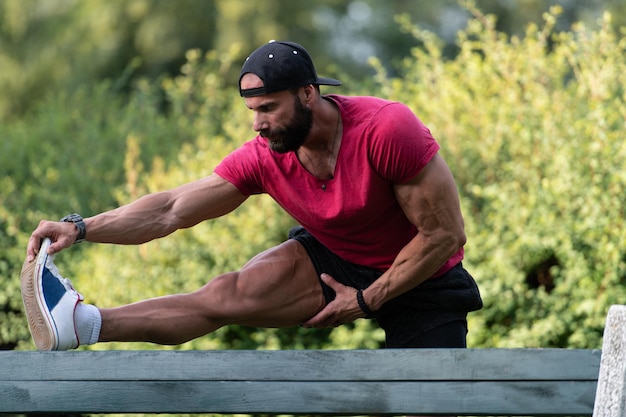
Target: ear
308, 93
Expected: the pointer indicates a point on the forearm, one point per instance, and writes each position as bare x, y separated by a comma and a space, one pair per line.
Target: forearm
157, 215
147, 218
416, 262
150, 217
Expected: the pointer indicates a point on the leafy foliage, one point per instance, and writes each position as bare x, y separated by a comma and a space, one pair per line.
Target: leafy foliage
61, 45
533, 130
531, 126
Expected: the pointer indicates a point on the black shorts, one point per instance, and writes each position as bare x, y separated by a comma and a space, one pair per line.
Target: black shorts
433, 314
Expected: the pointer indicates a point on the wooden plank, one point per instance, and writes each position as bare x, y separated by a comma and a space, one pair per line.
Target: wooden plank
310, 365
347, 398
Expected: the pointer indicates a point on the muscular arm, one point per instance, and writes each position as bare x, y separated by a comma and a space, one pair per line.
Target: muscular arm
150, 217
430, 201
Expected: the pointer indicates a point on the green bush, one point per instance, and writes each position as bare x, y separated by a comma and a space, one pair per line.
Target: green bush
533, 130
531, 127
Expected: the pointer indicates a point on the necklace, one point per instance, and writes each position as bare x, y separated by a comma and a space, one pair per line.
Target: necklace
330, 155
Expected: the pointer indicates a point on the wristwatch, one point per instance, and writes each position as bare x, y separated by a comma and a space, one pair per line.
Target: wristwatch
79, 223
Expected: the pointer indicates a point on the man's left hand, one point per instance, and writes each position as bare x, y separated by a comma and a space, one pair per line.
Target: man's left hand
343, 309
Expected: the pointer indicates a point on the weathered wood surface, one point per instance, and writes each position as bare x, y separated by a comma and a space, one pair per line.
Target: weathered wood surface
402, 381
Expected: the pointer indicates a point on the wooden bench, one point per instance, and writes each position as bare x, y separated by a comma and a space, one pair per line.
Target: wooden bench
346, 382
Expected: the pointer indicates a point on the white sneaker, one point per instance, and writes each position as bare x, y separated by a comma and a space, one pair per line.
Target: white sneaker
50, 302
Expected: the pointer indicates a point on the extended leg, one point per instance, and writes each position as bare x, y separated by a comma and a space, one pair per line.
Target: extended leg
277, 288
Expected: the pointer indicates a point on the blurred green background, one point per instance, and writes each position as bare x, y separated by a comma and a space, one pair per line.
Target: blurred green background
102, 101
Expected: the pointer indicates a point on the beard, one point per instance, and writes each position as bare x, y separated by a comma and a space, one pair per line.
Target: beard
290, 137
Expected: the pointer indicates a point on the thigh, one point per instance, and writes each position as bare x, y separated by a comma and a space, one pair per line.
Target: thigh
279, 287
413, 328
449, 335
438, 307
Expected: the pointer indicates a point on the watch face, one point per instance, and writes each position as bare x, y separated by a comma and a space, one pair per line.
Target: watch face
72, 218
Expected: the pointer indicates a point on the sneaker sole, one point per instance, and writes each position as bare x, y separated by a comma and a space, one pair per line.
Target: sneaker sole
39, 321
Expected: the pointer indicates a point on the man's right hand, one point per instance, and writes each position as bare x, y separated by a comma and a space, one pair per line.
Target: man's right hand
62, 234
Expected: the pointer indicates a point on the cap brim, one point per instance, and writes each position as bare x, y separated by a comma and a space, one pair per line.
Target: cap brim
327, 81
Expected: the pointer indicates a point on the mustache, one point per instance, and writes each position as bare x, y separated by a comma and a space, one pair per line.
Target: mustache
269, 133
274, 133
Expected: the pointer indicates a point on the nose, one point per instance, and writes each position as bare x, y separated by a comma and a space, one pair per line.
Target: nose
260, 122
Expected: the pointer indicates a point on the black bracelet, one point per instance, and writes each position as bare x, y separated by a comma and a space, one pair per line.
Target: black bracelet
359, 299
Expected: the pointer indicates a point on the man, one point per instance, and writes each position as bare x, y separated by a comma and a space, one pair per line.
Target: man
382, 232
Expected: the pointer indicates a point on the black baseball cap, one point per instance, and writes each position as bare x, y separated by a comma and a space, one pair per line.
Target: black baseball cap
282, 66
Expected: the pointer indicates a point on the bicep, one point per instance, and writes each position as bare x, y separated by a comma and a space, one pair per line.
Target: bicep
430, 199
203, 199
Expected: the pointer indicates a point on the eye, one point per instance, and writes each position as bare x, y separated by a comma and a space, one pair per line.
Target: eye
267, 108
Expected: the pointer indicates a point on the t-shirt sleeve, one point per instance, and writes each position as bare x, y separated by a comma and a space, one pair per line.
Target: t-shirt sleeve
242, 168
401, 145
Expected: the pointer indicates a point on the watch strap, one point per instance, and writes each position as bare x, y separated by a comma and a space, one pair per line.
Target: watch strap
79, 223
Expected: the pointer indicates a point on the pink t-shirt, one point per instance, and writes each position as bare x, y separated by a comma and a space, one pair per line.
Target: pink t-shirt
357, 216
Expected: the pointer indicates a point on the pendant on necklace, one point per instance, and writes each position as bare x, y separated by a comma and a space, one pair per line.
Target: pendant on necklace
323, 187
